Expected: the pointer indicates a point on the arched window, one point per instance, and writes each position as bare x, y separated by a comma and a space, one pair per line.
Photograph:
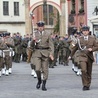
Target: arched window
47, 13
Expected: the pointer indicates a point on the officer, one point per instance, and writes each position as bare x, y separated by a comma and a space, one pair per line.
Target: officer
87, 45
43, 48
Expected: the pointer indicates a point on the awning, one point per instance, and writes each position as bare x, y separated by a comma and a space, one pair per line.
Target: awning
93, 19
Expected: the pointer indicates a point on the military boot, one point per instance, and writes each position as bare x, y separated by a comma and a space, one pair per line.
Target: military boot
39, 79
44, 85
39, 83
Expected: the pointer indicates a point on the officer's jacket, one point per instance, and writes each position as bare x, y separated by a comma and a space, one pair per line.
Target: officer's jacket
43, 45
10, 44
85, 54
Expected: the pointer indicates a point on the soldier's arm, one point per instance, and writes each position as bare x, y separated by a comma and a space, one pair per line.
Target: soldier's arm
74, 50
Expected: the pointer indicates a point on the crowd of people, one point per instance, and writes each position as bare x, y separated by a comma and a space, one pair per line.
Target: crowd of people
41, 49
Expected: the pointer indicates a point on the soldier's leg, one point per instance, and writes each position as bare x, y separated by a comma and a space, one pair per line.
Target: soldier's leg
7, 64
18, 58
3, 67
10, 65
33, 73
84, 75
37, 62
1, 64
89, 72
45, 72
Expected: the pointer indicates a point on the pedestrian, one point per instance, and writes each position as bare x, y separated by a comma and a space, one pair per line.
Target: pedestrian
86, 45
43, 48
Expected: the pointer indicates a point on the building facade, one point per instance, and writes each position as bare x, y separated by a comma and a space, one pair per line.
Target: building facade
92, 15
15, 15
77, 13
12, 16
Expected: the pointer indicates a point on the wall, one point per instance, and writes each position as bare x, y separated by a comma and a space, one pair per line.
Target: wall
11, 24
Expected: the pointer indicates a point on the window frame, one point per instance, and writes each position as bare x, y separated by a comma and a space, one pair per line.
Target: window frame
16, 8
6, 8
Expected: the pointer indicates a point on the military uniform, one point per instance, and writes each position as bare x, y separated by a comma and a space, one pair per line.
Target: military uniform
18, 49
2, 47
86, 47
56, 50
8, 53
42, 48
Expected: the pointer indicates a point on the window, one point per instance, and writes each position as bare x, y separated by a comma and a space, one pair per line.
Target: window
50, 15
73, 4
73, 7
5, 8
81, 10
47, 13
16, 8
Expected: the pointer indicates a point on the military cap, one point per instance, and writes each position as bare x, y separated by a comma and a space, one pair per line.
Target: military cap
40, 24
4, 34
85, 28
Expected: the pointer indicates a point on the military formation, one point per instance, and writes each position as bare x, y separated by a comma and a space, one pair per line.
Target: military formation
42, 50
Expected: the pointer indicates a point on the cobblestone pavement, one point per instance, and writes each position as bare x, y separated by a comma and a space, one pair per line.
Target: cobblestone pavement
62, 83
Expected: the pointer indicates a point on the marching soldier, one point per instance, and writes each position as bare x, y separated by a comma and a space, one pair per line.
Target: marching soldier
8, 52
2, 47
42, 49
18, 50
86, 46
29, 55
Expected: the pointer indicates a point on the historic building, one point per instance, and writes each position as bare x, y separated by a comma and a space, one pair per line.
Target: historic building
15, 15
77, 13
12, 16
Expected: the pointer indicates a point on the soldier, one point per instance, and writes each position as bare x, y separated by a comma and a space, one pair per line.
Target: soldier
24, 45
86, 45
18, 50
8, 52
29, 54
2, 47
56, 50
42, 49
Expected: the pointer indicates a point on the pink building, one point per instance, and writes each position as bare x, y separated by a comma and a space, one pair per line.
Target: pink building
77, 14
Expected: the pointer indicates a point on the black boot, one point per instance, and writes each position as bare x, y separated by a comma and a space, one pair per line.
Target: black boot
44, 85
39, 83
39, 79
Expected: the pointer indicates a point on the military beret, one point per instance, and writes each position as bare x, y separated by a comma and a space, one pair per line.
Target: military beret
85, 28
40, 24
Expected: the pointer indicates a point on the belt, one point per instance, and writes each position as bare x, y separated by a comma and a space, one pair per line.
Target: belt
41, 48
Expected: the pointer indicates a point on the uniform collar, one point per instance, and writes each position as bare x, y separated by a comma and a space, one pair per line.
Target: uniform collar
86, 37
